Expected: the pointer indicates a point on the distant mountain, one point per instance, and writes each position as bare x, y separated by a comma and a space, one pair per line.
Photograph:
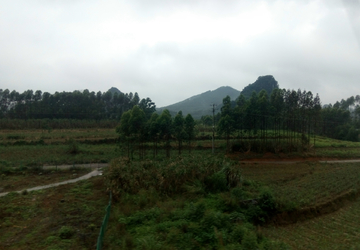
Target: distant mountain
114, 90
200, 105
267, 83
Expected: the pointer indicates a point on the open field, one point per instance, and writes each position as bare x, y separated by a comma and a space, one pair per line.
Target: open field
305, 184
338, 230
36, 220
64, 217
19, 180
72, 146
56, 135
42, 155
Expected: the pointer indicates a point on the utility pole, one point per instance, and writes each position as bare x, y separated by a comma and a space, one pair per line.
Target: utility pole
213, 136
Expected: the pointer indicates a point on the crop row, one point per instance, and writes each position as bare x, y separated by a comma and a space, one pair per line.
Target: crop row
338, 230
307, 184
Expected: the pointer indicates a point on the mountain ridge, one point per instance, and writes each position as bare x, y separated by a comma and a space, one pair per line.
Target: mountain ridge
199, 105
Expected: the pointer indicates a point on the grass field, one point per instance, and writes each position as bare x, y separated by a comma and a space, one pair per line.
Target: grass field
305, 184
338, 230
69, 217
19, 180
65, 217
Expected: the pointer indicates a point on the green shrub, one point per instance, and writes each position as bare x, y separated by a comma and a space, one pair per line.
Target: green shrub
216, 182
262, 208
73, 147
249, 241
66, 232
195, 212
238, 193
237, 234
170, 176
15, 137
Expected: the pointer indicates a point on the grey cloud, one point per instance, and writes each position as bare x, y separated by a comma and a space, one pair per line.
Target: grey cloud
57, 45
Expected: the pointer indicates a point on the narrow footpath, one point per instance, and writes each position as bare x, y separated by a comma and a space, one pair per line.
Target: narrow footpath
95, 172
98, 171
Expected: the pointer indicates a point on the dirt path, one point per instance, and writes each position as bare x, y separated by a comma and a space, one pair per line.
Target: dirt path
90, 165
95, 172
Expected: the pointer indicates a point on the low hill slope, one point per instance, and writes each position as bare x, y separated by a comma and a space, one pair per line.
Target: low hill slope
200, 105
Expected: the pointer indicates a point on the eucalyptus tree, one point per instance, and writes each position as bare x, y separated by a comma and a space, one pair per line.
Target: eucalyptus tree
148, 106
239, 114
132, 130
264, 111
178, 128
252, 114
153, 131
123, 129
277, 112
226, 125
137, 127
165, 129
189, 128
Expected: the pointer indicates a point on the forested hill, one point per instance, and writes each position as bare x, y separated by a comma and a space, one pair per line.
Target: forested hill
200, 105
268, 83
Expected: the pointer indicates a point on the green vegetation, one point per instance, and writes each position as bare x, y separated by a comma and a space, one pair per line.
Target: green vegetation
267, 83
78, 105
65, 217
197, 202
186, 200
306, 184
338, 230
16, 179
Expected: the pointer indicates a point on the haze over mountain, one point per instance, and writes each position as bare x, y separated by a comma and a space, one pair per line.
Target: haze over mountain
200, 105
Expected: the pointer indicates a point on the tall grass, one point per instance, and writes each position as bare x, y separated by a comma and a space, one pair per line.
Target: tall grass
171, 176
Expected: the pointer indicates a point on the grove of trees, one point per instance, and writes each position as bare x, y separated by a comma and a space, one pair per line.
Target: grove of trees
342, 120
137, 130
283, 121
70, 105
37, 110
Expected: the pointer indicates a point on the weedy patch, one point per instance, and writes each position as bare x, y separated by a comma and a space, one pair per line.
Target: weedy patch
185, 204
55, 218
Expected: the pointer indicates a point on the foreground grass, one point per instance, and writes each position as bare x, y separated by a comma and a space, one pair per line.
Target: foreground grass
39, 155
338, 230
65, 217
20, 179
55, 136
186, 203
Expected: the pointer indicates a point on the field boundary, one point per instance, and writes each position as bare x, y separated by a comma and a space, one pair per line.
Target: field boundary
307, 213
288, 161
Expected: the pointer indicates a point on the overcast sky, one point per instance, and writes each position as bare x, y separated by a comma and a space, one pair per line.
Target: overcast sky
169, 50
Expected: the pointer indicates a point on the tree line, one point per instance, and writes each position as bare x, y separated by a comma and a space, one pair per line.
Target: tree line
81, 105
342, 120
137, 130
283, 121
